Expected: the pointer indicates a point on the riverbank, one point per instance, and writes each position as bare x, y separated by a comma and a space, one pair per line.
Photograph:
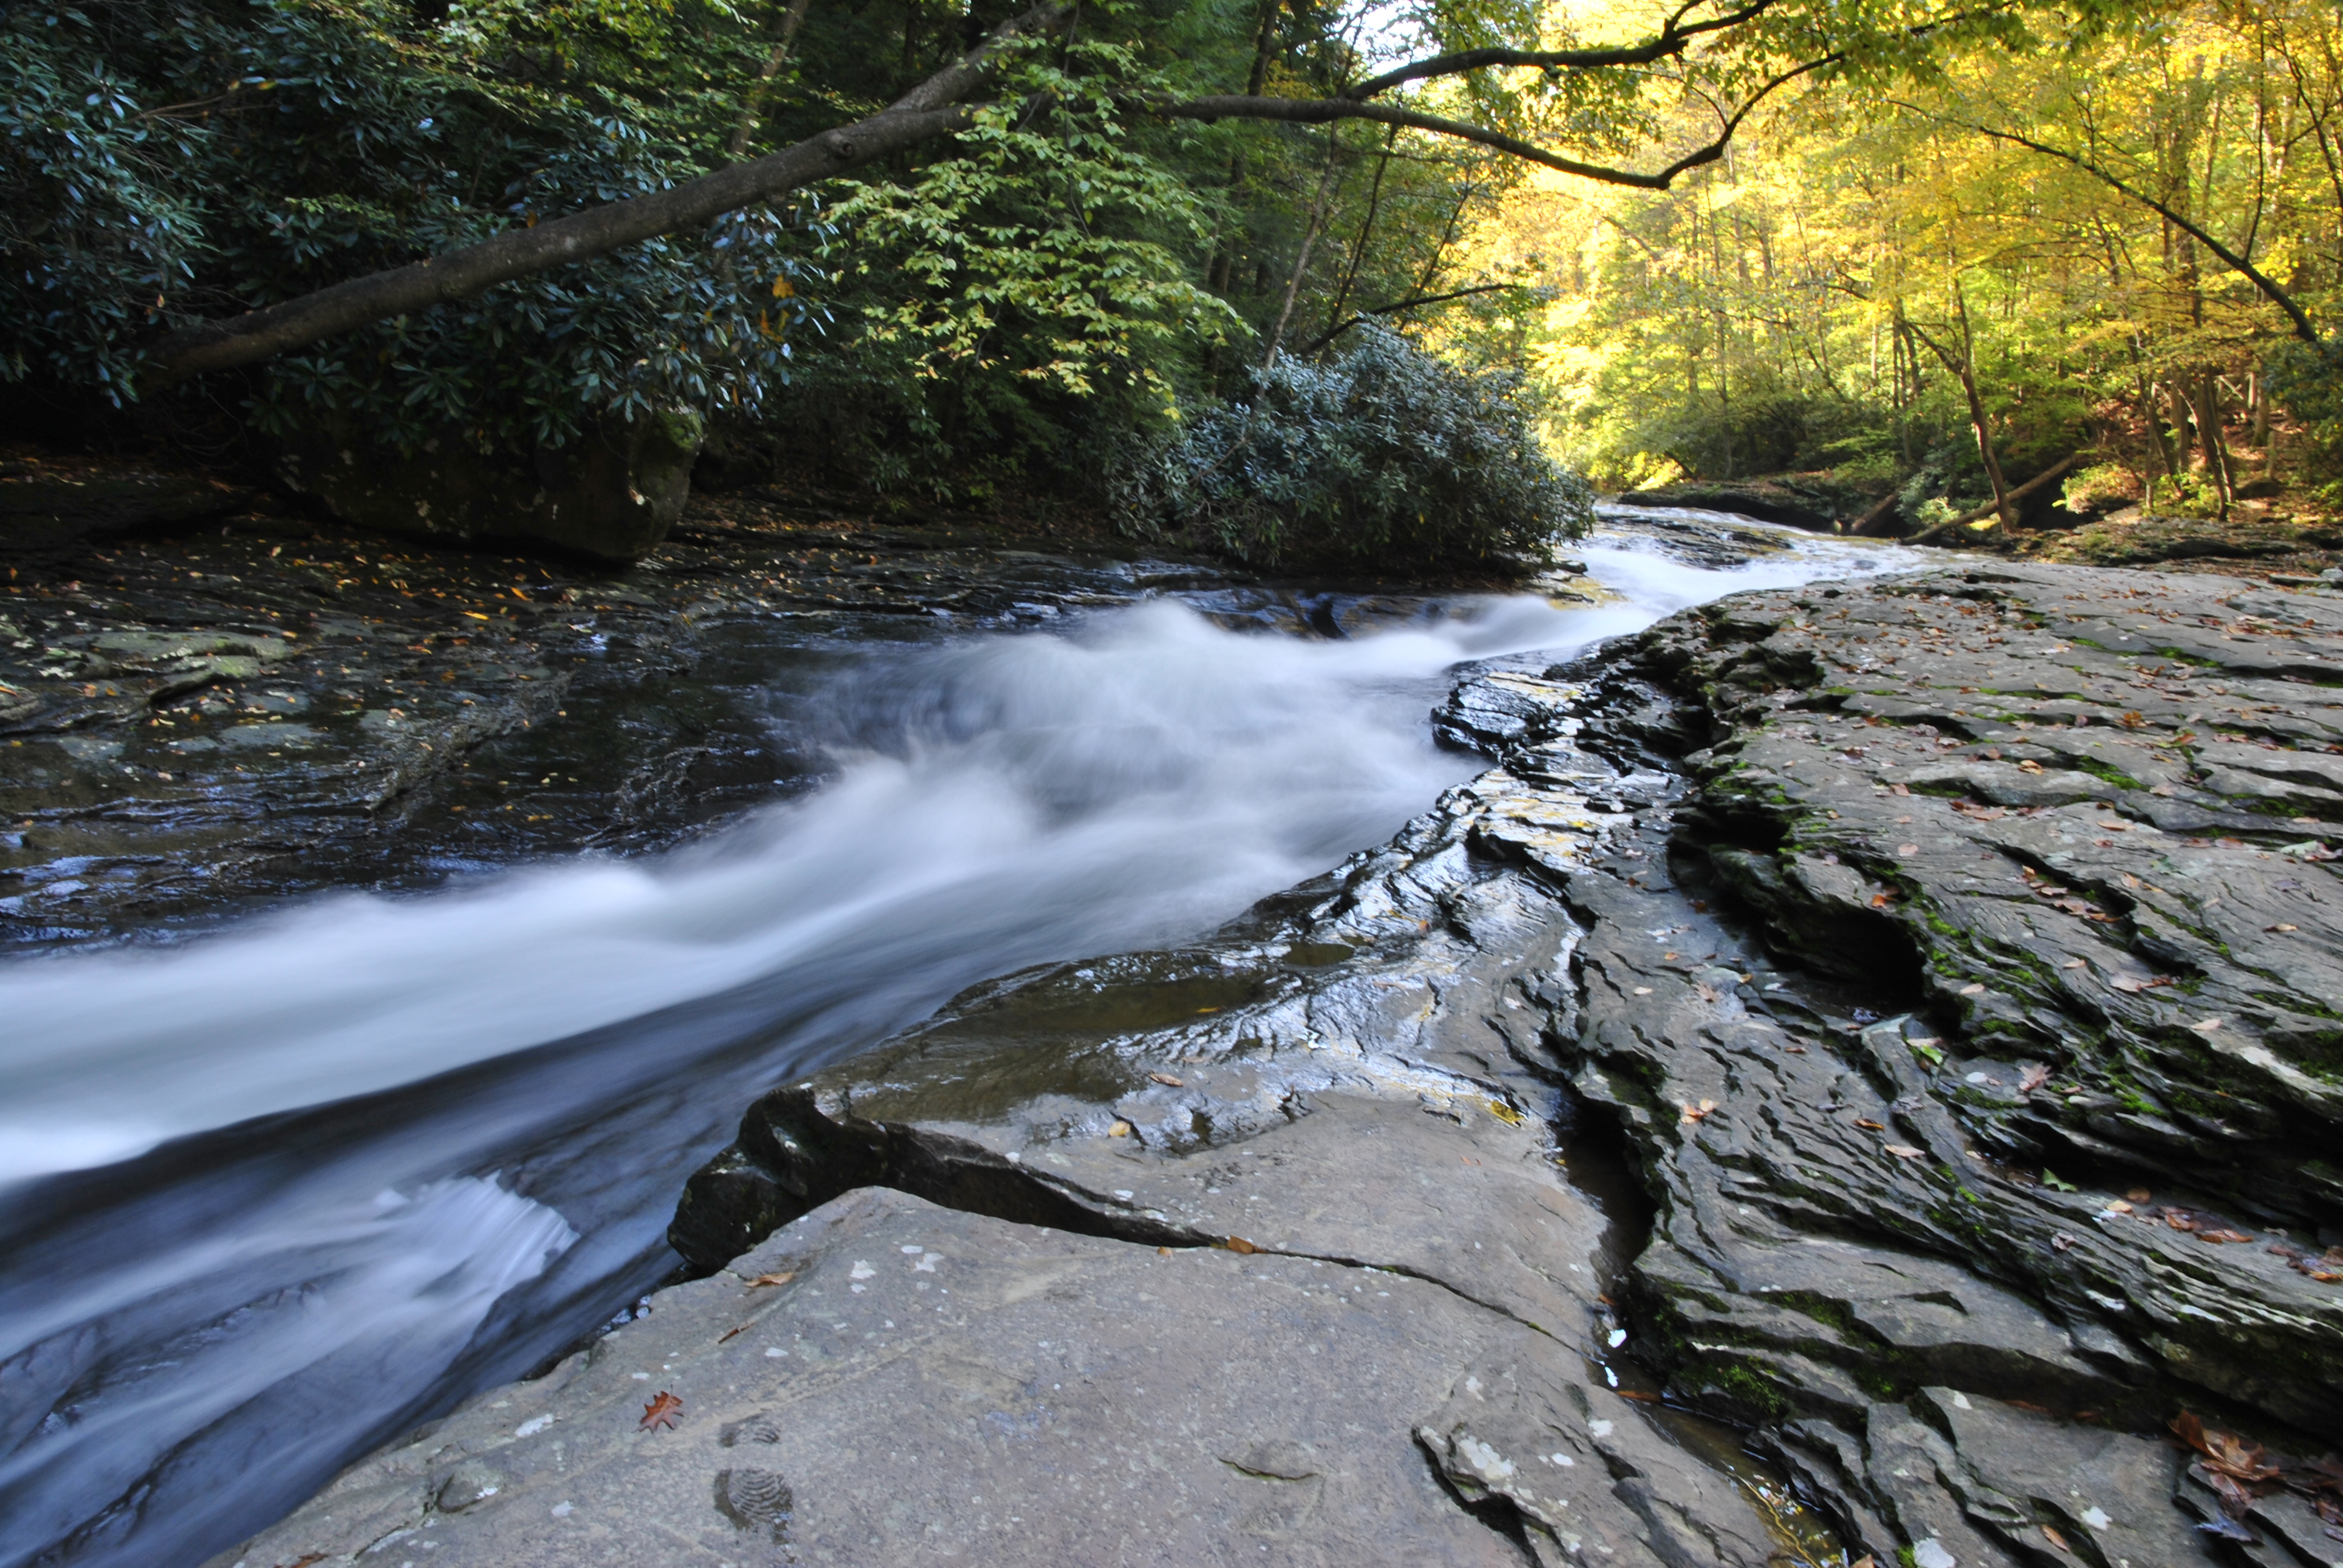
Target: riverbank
1945, 959
210, 702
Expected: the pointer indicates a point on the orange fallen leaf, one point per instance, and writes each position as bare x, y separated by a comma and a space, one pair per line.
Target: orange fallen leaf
1868, 1125
1700, 1113
1167, 1080
772, 1279
661, 1412
2216, 1238
1238, 1244
2056, 1540
1119, 1130
729, 1333
2031, 1077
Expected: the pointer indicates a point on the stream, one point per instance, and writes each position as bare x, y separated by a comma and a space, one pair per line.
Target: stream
278, 1192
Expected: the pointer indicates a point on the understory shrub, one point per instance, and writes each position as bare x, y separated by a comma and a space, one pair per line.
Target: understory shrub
1385, 456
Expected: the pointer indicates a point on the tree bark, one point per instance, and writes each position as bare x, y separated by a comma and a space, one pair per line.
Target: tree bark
1309, 243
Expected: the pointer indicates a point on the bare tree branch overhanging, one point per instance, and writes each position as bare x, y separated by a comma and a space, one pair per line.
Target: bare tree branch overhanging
932, 110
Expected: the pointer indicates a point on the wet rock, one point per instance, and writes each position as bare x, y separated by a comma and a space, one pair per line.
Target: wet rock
47, 510
610, 493
1260, 1243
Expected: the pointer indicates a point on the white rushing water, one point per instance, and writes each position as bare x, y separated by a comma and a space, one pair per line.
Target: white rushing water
273, 1304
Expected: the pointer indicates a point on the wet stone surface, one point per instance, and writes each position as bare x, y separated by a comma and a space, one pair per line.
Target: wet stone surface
192, 724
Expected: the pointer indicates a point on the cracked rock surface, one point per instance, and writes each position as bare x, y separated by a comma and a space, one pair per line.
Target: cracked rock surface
1814, 918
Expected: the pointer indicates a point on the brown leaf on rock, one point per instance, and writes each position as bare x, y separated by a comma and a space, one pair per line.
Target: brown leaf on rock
1700, 1113
781, 1279
1238, 1244
1868, 1125
2180, 1219
2056, 1540
661, 1412
2062, 1241
1167, 1080
1904, 1151
2032, 1076
2218, 1237
2225, 1453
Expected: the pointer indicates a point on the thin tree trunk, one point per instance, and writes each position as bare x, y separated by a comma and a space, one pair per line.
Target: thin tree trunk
1366, 227
791, 20
1309, 243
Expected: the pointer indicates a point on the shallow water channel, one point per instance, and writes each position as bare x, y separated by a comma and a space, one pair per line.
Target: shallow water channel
276, 1193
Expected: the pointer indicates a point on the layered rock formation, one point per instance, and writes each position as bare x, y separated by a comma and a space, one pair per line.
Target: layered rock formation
1967, 1071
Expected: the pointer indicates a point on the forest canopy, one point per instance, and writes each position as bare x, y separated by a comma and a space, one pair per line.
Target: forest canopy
1928, 247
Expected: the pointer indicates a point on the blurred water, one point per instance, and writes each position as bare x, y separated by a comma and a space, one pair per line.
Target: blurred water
278, 1192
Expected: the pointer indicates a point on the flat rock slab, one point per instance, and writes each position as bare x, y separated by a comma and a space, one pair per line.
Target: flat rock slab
1281, 1247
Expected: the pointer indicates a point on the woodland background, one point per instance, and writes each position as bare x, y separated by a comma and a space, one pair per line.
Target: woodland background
1938, 250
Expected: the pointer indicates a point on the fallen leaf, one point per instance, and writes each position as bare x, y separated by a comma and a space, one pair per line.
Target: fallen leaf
1878, 901
2225, 1453
2206, 1025
2139, 1194
1167, 1080
1162, 1251
772, 1279
2032, 1076
1503, 1112
2056, 1540
2118, 1206
2180, 1219
2216, 1238
1643, 991
1904, 1151
1974, 989
1898, 789
1700, 1113
1238, 1244
2131, 721
1868, 1125
1119, 1130
2061, 1241
661, 1412
1907, 848
2281, 926
729, 1333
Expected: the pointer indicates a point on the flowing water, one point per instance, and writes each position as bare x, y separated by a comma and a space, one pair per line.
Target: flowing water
273, 1195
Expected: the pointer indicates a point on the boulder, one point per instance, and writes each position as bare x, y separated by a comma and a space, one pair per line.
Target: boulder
609, 494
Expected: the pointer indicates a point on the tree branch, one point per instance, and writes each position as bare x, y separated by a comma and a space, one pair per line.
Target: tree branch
2269, 290
1330, 334
1671, 40
927, 111
1322, 111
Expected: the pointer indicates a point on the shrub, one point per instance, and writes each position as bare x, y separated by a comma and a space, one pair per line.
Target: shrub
1385, 456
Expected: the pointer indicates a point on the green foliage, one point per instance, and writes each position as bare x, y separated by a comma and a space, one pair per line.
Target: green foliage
1385, 455
1002, 304
170, 159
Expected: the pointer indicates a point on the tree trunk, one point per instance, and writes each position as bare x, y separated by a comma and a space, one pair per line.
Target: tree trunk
1309, 243
791, 20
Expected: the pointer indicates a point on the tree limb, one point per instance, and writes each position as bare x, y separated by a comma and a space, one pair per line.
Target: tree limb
1323, 111
1671, 39
927, 111
1978, 514
2269, 290
1330, 334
